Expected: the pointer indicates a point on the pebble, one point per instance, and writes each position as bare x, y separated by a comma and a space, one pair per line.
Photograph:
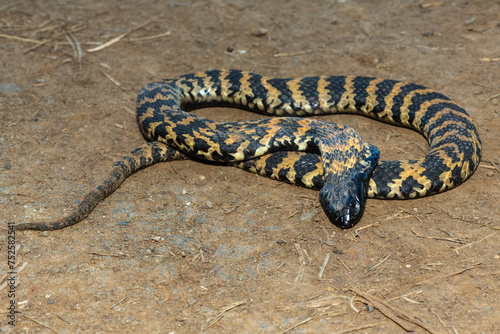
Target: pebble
471, 20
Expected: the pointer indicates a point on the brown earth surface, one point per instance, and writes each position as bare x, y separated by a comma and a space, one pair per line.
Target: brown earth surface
184, 247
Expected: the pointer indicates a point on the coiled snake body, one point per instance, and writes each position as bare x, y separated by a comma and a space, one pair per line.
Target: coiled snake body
307, 152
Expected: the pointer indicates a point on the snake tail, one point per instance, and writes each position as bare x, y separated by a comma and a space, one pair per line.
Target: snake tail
142, 157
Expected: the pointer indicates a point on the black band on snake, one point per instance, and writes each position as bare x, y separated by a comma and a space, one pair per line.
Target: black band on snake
307, 152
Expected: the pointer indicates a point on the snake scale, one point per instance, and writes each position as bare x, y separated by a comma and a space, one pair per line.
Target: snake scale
303, 151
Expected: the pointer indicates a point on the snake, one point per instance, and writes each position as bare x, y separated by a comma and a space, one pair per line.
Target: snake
289, 147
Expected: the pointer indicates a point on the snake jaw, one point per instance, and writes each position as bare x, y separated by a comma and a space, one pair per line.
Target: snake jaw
344, 207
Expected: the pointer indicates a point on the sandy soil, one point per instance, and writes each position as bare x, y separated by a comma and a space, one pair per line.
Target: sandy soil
185, 247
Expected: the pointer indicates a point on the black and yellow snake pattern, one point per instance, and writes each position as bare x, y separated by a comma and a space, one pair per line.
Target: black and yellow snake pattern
303, 151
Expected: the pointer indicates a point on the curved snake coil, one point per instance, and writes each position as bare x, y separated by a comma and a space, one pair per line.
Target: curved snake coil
306, 152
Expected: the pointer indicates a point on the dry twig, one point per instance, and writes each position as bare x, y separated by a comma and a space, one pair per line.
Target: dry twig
147, 38
381, 261
113, 80
296, 325
224, 311
118, 303
320, 275
394, 314
471, 243
22, 39
358, 328
458, 241
40, 323
118, 38
291, 54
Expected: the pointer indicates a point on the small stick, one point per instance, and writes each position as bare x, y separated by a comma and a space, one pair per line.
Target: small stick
297, 325
130, 111
320, 275
113, 80
302, 259
399, 148
66, 321
111, 255
494, 96
77, 46
342, 262
359, 229
291, 54
292, 214
409, 300
394, 314
352, 305
458, 241
487, 59
464, 270
22, 39
470, 221
225, 310
432, 4
442, 322
147, 38
40, 323
108, 43
471, 243
36, 46
117, 38
382, 261
73, 47
328, 301
117, 303
405, 295
493, 166
385, 310
358, 328
487, 167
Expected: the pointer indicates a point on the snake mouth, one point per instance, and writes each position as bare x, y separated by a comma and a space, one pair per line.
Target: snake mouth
348, 214
349, 217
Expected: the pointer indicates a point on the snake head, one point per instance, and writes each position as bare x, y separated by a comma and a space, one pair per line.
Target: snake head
344, 206
343, 196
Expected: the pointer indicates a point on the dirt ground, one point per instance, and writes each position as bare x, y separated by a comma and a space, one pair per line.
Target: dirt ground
184, 247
